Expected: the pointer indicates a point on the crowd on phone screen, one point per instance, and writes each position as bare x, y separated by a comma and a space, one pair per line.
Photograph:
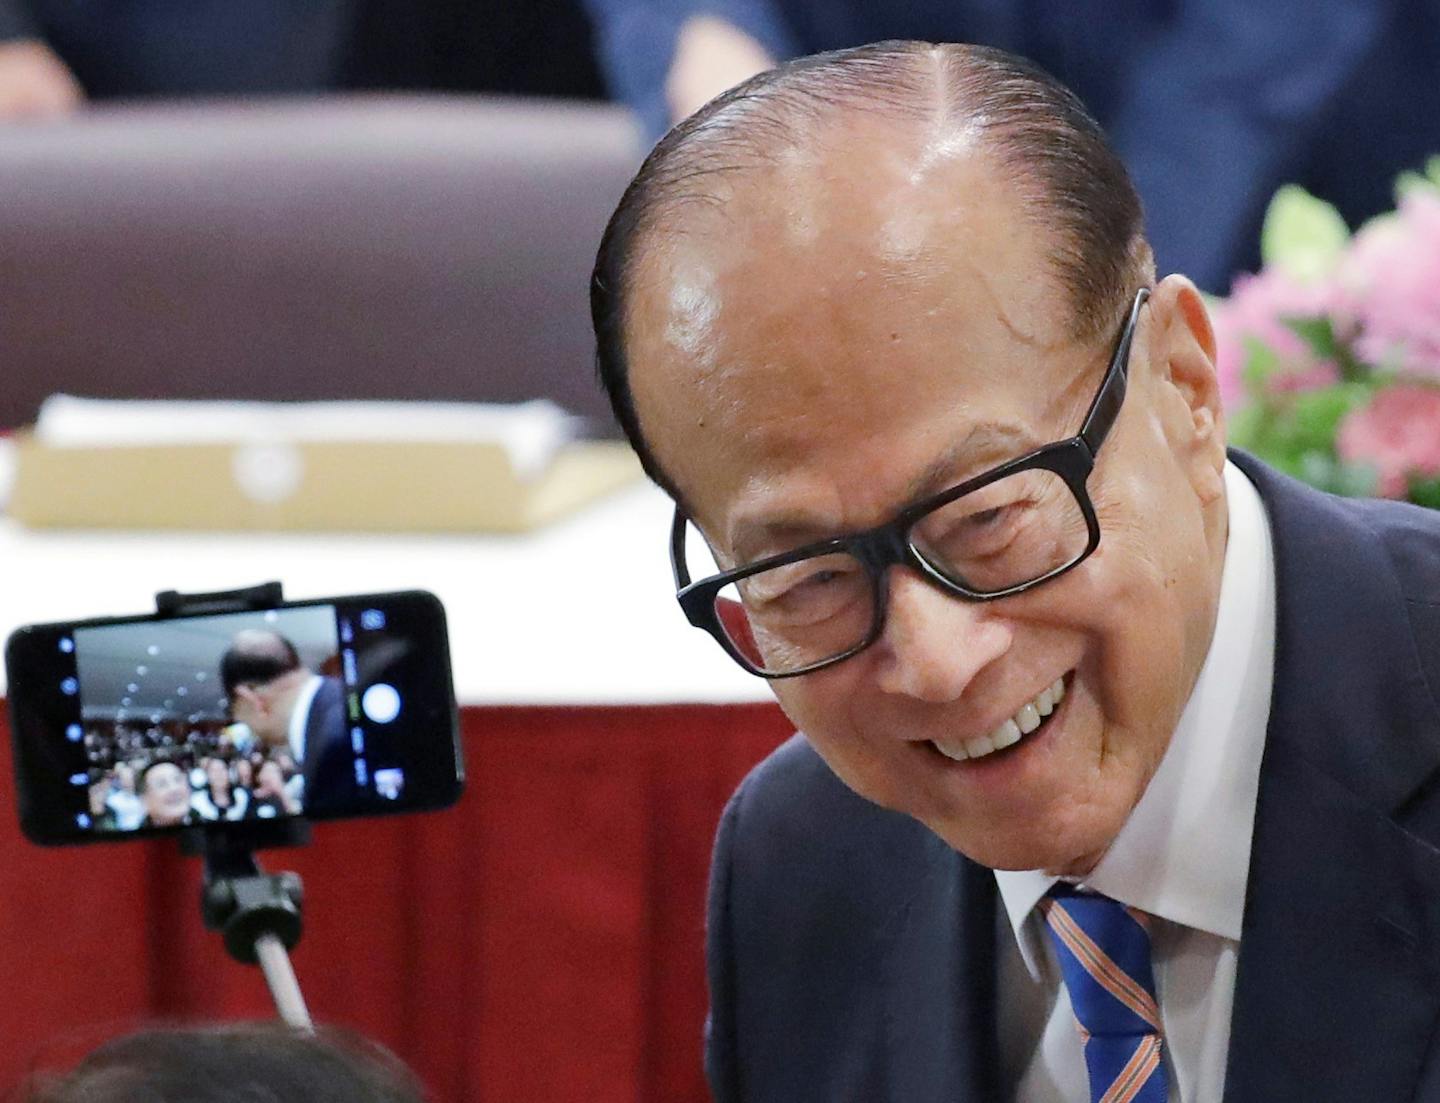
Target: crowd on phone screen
158, 777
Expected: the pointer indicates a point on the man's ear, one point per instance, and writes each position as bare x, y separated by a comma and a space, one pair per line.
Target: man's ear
249, 695
1183, 355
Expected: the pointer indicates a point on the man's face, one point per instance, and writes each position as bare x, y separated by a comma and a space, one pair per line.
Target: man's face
257, 707
269, 780
99, 794
858, 336
217, 773
167, 794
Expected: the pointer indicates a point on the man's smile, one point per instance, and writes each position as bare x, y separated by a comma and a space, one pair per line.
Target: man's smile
1030, 717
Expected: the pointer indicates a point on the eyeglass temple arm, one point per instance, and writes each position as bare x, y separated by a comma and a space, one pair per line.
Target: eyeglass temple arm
677, 550
1111, 395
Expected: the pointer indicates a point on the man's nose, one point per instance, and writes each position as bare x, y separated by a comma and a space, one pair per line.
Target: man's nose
935, 644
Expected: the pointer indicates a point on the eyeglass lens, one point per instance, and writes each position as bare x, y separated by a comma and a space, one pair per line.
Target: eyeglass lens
1010, 532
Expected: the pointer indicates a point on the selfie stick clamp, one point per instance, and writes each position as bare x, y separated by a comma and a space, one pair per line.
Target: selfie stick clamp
257, 913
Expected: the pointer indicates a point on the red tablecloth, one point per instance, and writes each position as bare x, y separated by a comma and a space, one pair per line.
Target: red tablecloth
541, 941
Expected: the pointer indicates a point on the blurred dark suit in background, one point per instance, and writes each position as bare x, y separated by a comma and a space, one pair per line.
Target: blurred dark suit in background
1212, 105
127, 48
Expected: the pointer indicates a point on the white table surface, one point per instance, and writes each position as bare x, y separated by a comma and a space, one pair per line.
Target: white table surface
579, 613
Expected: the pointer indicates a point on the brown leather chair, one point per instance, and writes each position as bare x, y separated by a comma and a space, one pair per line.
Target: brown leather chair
347, 247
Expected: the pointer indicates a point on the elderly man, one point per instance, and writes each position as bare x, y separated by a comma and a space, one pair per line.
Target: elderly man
290, 708
1117, 777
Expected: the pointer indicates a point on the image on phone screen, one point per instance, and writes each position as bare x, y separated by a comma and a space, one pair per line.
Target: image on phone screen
318, 710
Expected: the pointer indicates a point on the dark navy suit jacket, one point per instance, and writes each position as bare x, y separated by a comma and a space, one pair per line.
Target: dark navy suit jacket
329, 765
196, 47
1212, 105
852, 953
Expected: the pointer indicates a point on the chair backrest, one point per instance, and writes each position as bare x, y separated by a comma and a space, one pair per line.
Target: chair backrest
344, 247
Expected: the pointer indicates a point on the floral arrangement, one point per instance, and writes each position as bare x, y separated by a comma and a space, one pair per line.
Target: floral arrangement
1329, 358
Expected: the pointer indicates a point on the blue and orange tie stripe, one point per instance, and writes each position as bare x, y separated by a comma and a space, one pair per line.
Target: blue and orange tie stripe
1104, 953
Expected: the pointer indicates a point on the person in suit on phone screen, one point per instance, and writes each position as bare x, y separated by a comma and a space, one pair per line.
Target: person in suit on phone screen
290, 708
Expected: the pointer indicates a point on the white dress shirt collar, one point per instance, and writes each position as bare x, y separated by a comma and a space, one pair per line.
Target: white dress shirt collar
1184, 853
300, 717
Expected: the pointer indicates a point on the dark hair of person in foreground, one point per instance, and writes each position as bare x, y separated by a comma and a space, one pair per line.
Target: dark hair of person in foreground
237, 1063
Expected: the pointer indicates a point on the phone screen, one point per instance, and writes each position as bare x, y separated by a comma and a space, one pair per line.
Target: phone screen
321, 709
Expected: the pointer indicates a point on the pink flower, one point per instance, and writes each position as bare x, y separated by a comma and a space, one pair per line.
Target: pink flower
1256, 310
1388, 289
1322, 373
1398, 434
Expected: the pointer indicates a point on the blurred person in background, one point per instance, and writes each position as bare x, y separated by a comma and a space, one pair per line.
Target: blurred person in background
102, 818
56, 54
220, 799
271, 796
228, 1064
165, 791
295, 781
124, 801
1212, 106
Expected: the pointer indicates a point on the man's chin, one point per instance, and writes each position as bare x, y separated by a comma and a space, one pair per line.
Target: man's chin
1054, 853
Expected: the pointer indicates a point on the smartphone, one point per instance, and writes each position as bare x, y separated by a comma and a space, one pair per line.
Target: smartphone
136, 726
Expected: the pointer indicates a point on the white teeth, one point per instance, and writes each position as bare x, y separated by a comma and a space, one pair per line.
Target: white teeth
1045, 703
1028, 718
978, 748
1007, 734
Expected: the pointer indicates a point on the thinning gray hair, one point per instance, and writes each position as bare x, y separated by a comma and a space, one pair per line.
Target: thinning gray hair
1072, 183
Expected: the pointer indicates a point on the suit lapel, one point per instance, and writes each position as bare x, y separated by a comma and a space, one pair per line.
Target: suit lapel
940, 1022
1338, 985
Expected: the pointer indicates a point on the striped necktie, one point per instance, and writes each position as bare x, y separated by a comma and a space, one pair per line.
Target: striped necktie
1104, 953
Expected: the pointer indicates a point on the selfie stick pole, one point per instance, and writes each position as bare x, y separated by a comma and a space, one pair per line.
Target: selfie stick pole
280, 976
257, 913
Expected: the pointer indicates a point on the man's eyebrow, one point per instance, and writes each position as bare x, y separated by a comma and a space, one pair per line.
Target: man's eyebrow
985, 445
754, 539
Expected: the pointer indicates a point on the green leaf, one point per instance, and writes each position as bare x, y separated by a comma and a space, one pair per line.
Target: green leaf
1318, 413
1425, 181
1319, 470
1317, 333
1302, 235
1261, 362
1425, 492
1356, 480
1245, 427
1296, 433
1408, 182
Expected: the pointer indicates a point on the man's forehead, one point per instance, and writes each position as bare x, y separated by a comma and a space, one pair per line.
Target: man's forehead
922, 224
798, 301
902, 211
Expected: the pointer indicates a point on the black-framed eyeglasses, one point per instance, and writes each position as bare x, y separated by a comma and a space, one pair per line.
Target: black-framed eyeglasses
1000, 533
